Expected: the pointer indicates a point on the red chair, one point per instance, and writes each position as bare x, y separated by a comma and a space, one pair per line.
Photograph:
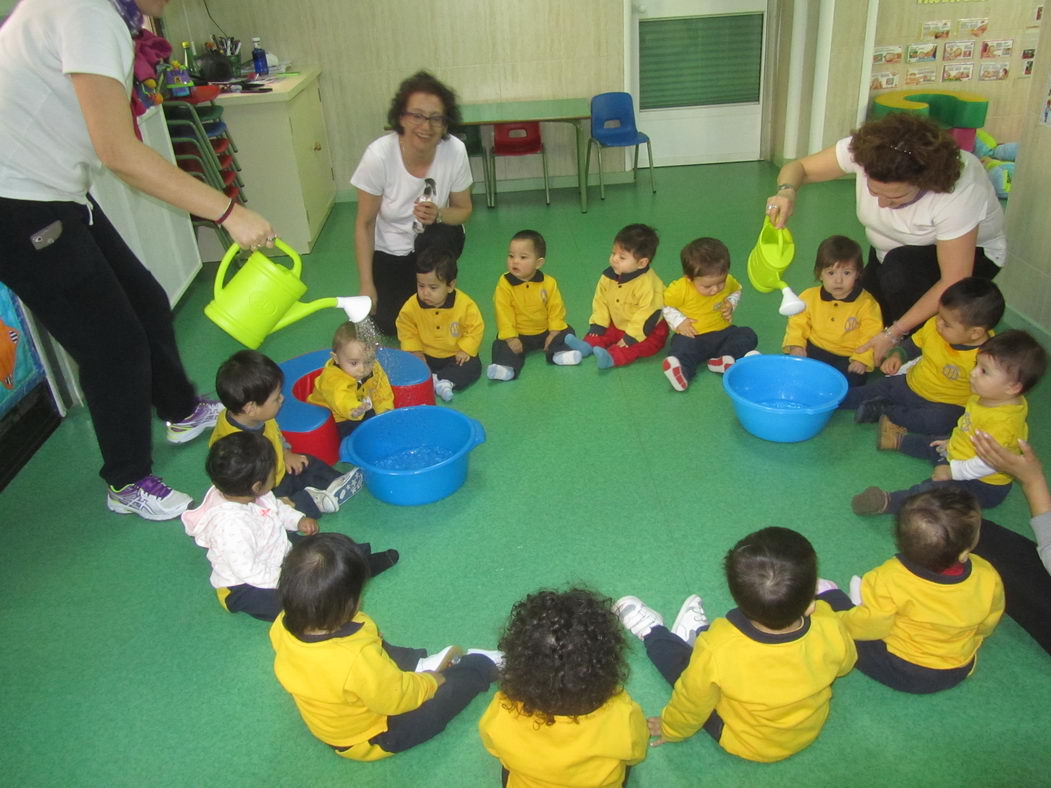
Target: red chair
517, 139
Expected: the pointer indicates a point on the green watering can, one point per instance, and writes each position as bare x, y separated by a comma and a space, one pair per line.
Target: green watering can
263, 297
768, 260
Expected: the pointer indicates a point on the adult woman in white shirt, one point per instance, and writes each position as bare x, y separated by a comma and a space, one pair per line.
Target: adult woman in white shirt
396, 217
65, 81
929, 211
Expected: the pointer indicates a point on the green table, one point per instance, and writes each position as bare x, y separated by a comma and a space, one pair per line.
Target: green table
576, 111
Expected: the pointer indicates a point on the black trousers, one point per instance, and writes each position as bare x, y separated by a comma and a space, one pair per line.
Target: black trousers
908, 272
395, 277
470, 676
100, 303
502, 353
670, 654
1027, 585
877, 663
693, 351
316, 474
839, 362
460, 375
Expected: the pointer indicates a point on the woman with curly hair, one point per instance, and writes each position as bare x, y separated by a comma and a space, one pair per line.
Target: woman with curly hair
561, 715
414, 191
929, 210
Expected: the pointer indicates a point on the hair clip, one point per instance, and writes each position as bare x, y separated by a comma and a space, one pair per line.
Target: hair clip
901, 147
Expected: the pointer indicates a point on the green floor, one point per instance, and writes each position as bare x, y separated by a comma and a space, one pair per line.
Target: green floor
120, 668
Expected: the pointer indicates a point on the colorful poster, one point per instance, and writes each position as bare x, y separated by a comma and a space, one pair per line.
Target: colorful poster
1038, 14
922, 53
883, 80
935, 28
993, 72
922, 75
1027, 68
1028, 54
997, 49
957, 50
957, 72
20, 369
976, 26
885, 56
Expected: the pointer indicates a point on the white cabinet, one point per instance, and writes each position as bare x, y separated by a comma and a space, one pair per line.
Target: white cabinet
283, 151
161, 235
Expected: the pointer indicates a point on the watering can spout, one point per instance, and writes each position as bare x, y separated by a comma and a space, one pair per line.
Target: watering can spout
791, 304
356, 308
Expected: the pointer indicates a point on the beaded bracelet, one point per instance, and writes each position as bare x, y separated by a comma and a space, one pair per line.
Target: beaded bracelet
227, 212
895, 337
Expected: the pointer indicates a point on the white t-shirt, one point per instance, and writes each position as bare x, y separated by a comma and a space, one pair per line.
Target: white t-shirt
935, 216
45, 150
381, 172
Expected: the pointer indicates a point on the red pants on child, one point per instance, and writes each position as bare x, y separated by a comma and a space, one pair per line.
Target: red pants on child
624, 355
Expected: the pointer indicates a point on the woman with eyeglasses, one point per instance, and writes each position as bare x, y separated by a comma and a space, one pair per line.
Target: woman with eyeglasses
414, 191
929, 211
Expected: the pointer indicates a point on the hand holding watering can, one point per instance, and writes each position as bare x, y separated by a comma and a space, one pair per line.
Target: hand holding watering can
263, 296
772, 254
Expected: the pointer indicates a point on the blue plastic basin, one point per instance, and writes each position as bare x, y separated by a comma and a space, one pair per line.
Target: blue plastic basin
784, 398
413, 455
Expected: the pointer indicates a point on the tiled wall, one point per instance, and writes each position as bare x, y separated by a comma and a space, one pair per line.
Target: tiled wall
488, 50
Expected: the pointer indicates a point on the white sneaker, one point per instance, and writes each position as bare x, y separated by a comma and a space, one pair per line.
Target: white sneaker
439, 661
855, 590
496, 657
203, 417
824, 585
149, 498
443, 388
497, 372
345, 486
673, 372
325, 503
720, 365
752, 353
636, 617
567, 358
691, 618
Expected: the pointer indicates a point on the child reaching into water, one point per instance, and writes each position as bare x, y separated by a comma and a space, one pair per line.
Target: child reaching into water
352, 383
363, 697
561, 715
840, 316
247, 530
530, 313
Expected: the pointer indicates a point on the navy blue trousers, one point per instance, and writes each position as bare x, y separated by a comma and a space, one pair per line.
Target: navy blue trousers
905, 407
693, 351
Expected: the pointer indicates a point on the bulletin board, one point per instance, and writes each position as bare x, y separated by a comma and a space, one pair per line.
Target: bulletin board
986, 47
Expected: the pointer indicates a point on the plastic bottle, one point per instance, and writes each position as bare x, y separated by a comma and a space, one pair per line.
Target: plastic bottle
426, 196
259, 58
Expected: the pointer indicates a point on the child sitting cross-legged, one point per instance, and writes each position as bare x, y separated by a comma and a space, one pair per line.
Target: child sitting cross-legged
930, 396
699, 307
840, 316
626, 322
760, 680
920, 617
442, 325
561, 715
356, 692
1008, 365
247, 530
249, 385
530, 313
352, 383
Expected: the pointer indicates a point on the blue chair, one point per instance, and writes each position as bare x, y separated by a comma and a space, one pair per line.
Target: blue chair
613, 126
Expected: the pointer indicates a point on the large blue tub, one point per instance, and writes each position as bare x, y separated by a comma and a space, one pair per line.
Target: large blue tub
784, 398
413, 455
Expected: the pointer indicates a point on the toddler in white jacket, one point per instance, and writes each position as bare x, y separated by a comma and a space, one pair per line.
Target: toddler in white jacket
247, 530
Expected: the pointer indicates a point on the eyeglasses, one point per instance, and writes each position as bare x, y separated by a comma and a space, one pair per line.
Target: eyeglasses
418, 119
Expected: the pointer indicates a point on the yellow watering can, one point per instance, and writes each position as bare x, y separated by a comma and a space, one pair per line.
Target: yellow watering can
263, 297
768, 260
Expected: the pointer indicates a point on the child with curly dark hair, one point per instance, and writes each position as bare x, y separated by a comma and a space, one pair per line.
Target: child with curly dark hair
561, 715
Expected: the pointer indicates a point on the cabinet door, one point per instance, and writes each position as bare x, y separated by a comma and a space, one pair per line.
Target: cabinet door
313, 159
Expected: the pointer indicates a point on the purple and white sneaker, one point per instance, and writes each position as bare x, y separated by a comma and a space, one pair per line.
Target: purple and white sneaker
149, 498
203, 417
